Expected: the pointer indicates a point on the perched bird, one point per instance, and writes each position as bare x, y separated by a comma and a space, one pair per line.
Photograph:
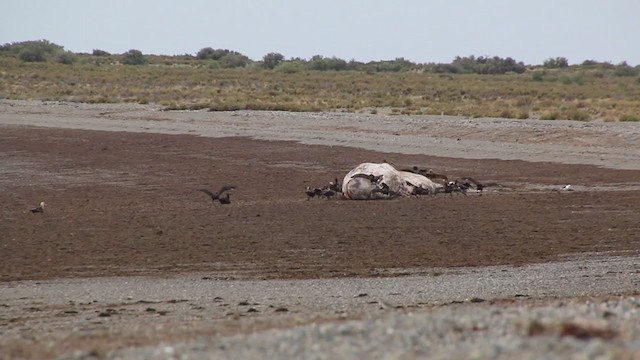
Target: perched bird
432, 175
39, 209
223, 199
328, 193
335, 185
385, 190
374, 179
450, 187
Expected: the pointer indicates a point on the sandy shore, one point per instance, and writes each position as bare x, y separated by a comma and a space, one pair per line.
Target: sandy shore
583, 307
608, 144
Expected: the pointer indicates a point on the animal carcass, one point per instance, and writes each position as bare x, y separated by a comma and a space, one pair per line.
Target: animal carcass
383, 177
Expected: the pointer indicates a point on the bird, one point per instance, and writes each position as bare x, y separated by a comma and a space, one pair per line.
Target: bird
567, 187
467, 182
39, 209
414, 170
328, 193
373, 178
224, 199
432, 175
335, 185
450, 187
312, 192
219, 195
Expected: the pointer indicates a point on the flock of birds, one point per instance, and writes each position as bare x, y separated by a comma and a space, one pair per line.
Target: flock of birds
334, 188
459, 185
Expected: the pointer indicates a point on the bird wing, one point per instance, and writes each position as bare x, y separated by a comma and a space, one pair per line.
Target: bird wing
226, 188
208, 192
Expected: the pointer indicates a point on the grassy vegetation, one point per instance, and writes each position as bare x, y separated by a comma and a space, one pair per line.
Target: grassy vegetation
583, 92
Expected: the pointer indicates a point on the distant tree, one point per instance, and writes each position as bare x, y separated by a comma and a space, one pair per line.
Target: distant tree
212, 54
559, 62
98, 52
399, 64
271, 60
133, 57
319, 62
487, 65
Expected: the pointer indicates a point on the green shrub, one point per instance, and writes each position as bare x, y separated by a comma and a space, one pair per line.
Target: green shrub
629, 117
66, 57
537, 76
550, 115
32, 51
290, 67
579, 115
623, 69
234, 60
134, 57
31, 55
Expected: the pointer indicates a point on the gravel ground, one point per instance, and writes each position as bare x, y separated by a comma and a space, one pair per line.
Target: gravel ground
581, 308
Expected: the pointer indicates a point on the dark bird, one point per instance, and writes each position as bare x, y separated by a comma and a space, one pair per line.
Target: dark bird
412, 170
374, 179
451, 186
432, 175
219, 195
224, 199
335, 185
328, 193
467, 182
312, 192
39, 209
385, 190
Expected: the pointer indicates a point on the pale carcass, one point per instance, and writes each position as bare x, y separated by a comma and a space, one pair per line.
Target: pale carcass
395, 182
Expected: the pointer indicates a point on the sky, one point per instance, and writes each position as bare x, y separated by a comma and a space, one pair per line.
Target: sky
420, 31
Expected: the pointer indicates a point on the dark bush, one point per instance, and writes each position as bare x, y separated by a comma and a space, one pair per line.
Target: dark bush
559, 62
98, 52
271, 60
212, 54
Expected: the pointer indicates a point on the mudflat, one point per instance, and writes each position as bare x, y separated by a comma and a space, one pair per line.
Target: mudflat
120, 181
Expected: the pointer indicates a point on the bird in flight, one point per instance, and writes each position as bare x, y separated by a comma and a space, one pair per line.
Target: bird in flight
221, 195
39, 209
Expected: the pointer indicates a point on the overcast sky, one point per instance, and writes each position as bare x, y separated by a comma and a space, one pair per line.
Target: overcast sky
418, 30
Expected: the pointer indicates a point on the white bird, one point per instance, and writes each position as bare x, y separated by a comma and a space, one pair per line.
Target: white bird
567, 187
